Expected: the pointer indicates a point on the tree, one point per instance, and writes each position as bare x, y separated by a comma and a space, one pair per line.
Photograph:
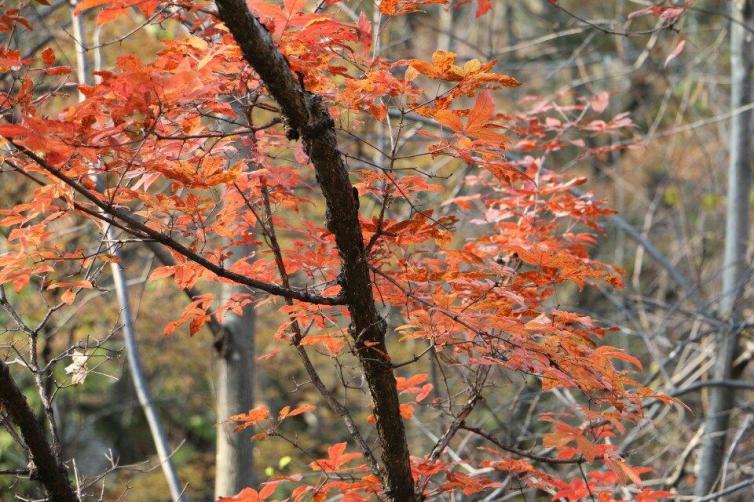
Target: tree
457, 254
722, 398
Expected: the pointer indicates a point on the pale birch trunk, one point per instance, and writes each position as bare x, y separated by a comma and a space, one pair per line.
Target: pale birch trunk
735, 268
235, 394
444, 28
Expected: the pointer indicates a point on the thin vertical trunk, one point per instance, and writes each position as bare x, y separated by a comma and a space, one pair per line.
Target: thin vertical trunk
235, 394
735, 269
445, 27
234, 385
129, 333
510, 25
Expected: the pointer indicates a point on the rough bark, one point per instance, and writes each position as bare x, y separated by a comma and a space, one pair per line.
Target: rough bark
308, 118
51, 473
735, 269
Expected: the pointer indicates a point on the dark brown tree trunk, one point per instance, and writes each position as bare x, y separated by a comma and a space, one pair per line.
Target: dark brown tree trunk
309, 119
49, 470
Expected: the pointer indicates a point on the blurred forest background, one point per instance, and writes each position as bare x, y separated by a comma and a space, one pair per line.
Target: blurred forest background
665, 176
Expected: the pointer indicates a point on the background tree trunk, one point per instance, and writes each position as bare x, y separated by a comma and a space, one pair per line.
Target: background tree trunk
235, 394
735, 269
444, 28
235, 379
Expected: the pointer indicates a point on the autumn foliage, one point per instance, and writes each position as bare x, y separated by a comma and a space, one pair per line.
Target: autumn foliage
469, 229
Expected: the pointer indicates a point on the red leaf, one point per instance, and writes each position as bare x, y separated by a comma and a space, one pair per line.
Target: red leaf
336, 457
70, 284
58, 70
13, 130
48, 56
483, 7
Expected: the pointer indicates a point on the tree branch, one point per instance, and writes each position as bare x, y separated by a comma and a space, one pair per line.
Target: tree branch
268, 229
731, 489
732, 384
517, 451
135, 227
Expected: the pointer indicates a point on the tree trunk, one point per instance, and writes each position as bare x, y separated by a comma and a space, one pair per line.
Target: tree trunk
235, 394
50, 472
735, 270
308, 119
445, 27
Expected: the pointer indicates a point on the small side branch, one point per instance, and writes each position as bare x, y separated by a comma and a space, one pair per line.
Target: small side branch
519, 452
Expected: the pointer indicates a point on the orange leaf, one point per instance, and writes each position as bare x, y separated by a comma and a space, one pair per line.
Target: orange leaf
13, 130
623, 471
88, 4
161, 272
304, 408
254, 416
615, 353
48, 56
407, 410
68, 296
251, 495
287, 412
284, 412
